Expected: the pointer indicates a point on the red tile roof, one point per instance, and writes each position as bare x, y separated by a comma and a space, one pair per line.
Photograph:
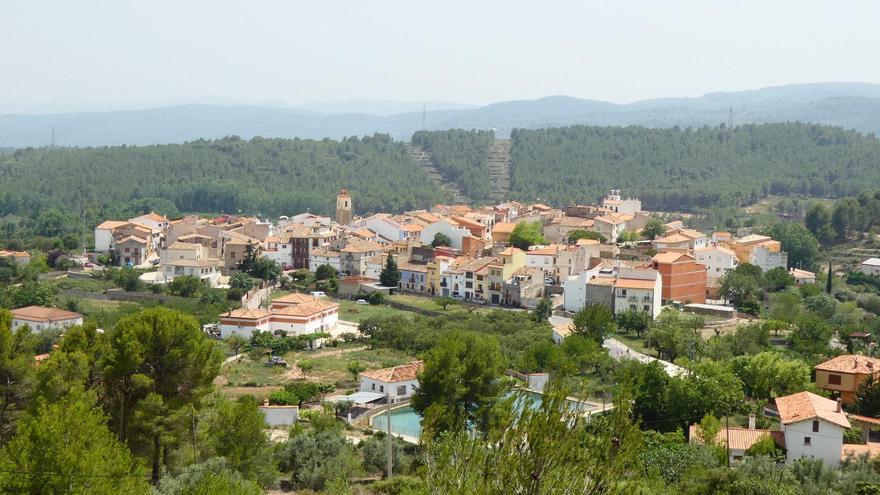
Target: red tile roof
851, 363
804, 406
395, 374
44, 314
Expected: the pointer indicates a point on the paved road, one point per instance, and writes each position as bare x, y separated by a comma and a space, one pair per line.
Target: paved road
619, 350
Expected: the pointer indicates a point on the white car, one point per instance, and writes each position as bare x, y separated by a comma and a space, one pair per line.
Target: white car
362, 301
318, 294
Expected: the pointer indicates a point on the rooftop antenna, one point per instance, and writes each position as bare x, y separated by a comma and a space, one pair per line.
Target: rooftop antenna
424, 116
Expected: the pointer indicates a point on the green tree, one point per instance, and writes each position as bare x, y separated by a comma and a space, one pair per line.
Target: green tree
211, 477
390, 275
542, 310
776, 279
159, 365
441, 239
594, 321
236, 432
798, 242
69, 438
355, 368
249, 260
527, 234
444, 302
236, 343
742, 286
818, 219
846, 218
653, 229
325, 272
811, 336
576, 235
241, 281
128, 279
564, 454
460, 383
185, 286
265, 269
770, 374
868, 397
16, 373
633, 320
317, 457
29, 294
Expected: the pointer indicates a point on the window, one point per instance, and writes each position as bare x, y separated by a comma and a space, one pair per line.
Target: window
833, 379
401, 390
374, 386
815, 426
381, 388
807, 441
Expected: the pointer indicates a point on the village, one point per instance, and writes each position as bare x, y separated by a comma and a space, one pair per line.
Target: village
510, 256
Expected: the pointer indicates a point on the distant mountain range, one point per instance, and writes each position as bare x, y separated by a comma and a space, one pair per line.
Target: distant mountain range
850, 105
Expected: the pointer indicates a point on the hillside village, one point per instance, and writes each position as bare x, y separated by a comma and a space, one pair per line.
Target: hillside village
313, 308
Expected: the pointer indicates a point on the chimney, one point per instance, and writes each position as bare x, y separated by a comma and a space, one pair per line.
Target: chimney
839, 402
752, 421
855, 362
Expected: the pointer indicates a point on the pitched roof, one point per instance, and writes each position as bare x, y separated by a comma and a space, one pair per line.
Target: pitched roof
132, 238
851, 363
614, 218
674, 238
395, 374
671, 257
740, 438
247, 313
587, 242
190, 246
721, 249
357, 245
199, 263
325, 252
412, 267
42, 313
510, 251
503, 227
111, 224
872, 262
798, 273
411, 227
604, 281
632, 283
308, 308
804, 406
294, 298
563, 329
5, 253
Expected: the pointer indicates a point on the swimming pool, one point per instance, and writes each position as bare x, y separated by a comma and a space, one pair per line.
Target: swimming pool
405, 421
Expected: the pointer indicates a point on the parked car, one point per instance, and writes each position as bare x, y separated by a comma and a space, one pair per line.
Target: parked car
318, 294
362, 301
276, 361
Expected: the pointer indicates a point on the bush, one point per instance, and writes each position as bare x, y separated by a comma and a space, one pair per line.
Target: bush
376, 298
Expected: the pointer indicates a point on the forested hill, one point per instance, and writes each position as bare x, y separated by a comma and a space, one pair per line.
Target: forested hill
683, 169
266, 176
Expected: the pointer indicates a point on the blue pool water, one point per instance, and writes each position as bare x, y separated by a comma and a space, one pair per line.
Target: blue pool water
405, 421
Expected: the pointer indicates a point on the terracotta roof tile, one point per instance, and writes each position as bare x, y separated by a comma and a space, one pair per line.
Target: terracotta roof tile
740, 438
42, 313
804, 406
396, 374
851, 363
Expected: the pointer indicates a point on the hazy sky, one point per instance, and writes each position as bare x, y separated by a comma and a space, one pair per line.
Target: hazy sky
67, 55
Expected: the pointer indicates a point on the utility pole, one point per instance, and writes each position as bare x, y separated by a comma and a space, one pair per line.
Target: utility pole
389, 440
727, 430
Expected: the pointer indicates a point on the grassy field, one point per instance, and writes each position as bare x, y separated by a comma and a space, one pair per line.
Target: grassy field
86, 284
427, 303
330, 365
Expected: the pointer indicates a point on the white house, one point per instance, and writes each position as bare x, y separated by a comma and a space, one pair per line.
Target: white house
870, 266
454, 232
813, 427
385, 226
767, 258
324, 256
279, 251
575, 289
612, 225
153, 220
618, 204
294, 314
184, 258
717, 259
104, 235
39, 318
400, 382
639, 290
802, 276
